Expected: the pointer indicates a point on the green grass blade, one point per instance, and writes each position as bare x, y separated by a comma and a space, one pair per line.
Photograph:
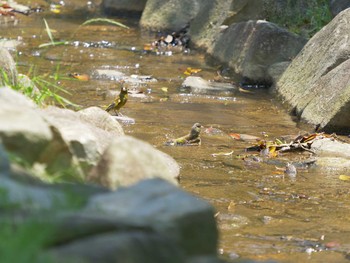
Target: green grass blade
48, 31
104, 20
55, 43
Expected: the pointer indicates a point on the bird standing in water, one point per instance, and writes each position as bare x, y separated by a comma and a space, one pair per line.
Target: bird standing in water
193, 138
119, 101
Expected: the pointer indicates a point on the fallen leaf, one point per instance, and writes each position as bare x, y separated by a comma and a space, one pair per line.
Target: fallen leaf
190, 71
147, 47
235, 136
344, 177
78, 76
222, 154
332, 244
231, 206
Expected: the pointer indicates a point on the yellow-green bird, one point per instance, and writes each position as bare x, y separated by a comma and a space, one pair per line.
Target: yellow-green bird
192, 138
119, 101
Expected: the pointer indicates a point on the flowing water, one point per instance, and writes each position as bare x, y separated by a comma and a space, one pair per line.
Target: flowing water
261, 214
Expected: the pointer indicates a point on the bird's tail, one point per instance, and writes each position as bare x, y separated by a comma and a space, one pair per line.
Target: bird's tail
110, 107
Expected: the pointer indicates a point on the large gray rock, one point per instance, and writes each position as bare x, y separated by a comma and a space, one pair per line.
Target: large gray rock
128, 160
332, 155
26, 134
86, 141
102, 120
152, 221
170, 14
22, 130
206, 26
25, 197
62, 140
316, 84
337, 6
186, 220
331, 147
122, 6
250, 48
120, 247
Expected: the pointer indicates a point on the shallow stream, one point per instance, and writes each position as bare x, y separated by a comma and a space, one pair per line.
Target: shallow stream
261, 214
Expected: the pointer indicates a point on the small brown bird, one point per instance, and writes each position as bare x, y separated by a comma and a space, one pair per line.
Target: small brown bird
119, 101
193, 138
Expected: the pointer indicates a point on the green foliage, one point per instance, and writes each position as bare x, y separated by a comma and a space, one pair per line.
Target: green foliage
23, 243
305, 18
39, 88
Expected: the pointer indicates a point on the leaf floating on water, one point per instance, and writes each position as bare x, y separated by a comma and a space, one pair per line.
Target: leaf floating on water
243, 137
190, 71
332, 244
78, 76
344, 177
164, 89
222, 154
56, 9
147, 47
235, 136
231, 206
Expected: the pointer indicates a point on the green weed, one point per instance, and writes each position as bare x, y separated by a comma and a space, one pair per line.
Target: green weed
304, 18
38, 88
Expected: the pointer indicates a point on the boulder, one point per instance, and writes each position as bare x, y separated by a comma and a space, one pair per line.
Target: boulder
86, 141
254, 46
167, 210
332, 155
207, 25
316, 85
7, 67
123, 6
276, 70
128, 160
337, 6
22, 130
102, 120
62, 140
169, 15
119, 247
27, 135
152, 221
331, 147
